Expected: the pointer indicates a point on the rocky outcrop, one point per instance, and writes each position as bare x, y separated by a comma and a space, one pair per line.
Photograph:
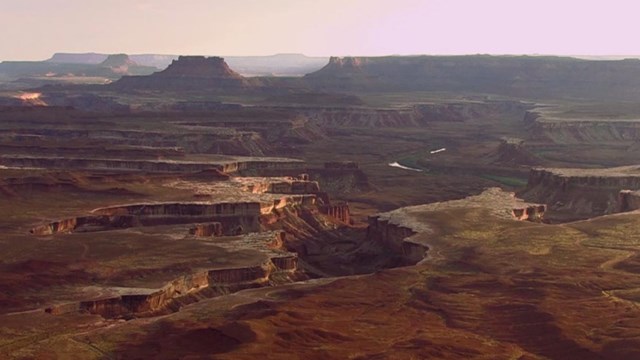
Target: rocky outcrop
207, 230
267, 208
533, 213
512, 151
628, 200
582, 192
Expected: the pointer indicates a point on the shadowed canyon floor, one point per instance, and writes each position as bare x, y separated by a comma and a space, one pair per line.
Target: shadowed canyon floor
199, 213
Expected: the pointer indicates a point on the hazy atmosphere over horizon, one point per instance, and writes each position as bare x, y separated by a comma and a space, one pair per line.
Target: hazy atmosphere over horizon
35, 29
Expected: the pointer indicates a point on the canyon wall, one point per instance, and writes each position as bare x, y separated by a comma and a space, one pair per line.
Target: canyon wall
231, 218
577, 131
187, 289
396, 238
339, 211
289, 186
583, 192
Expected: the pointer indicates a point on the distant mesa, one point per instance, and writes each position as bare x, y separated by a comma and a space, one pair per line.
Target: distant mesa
188, 73
346, 63
524, 76
118, 60
119, 63
78, 58
353, 69
200, 67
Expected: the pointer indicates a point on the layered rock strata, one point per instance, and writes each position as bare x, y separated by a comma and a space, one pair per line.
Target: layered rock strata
582, 192
280, 267
223, 164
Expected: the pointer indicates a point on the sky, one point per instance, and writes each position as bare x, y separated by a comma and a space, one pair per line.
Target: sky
35, 29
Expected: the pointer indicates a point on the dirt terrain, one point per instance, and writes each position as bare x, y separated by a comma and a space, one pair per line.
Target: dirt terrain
200, 213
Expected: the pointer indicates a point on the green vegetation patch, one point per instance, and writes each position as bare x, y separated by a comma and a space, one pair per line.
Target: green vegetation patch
506, 180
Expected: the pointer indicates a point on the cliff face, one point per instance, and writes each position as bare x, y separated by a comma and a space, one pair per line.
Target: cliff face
338, 211
228, 218
396, 238
408, 233
579, 131
187, 289
582, 192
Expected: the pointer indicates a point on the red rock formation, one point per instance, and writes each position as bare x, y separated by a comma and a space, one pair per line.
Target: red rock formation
288, 262
338, 211
207, 230
533, 213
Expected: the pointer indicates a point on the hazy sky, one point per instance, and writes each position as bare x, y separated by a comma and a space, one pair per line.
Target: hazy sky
34, 29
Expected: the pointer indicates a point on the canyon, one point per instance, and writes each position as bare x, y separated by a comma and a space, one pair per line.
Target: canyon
199, 211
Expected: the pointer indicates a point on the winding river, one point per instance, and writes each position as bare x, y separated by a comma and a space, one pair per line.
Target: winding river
396, 164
